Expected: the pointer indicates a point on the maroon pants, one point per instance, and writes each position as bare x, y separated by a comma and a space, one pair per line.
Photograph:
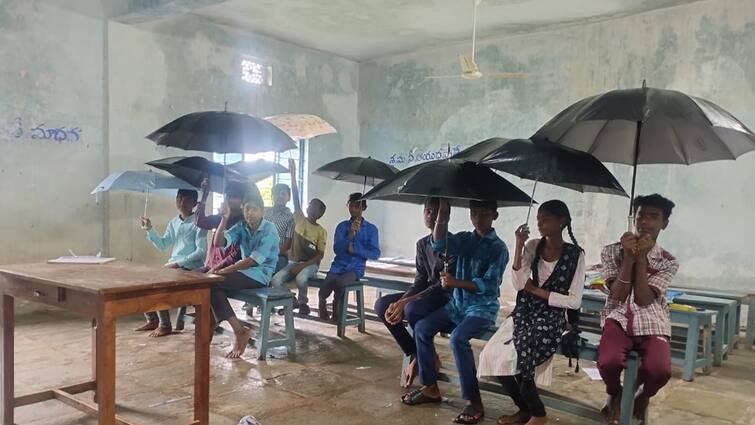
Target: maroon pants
615, 344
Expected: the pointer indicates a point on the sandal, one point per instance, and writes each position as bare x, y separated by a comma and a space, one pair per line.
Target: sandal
416, 397
470, 415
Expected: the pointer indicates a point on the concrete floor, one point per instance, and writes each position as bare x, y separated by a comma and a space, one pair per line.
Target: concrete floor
330, 381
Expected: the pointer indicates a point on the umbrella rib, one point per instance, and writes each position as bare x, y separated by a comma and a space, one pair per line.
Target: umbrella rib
597, 136
680, 145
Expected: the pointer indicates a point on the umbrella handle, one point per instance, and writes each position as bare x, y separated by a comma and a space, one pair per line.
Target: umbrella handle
532, 200
146, 202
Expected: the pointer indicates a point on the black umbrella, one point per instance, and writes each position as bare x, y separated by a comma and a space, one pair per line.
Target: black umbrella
649, 126
222, 132
194, 169
258, 169
459, 181
355, 169
545, 162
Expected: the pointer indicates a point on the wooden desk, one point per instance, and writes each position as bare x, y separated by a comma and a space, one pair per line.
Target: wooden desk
104, 293
376, 267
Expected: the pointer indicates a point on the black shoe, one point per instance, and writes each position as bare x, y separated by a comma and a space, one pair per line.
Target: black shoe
304, 310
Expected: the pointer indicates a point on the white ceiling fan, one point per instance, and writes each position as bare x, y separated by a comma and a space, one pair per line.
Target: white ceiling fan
469, 68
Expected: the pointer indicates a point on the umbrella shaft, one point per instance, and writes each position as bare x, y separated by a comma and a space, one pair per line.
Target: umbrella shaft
146, 202
532, 199
634, 173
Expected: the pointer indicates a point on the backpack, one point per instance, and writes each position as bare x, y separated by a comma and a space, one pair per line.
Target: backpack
571, 341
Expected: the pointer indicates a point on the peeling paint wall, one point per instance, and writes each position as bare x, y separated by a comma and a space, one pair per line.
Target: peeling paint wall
159, 73
51, 130
706, 49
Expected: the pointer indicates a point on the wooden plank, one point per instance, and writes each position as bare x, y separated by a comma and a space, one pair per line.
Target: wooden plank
202, 359
112, 278
105, 364
33, 398
85, 407
80, 388
47, 293
7, 317
162, 300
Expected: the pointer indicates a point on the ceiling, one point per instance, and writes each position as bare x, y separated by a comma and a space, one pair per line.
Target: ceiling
367, 29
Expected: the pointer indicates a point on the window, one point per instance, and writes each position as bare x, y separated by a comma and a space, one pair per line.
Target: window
254, 72
266, 185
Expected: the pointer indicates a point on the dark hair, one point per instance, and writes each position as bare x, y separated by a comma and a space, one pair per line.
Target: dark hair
252, 196
356, 197
188, 193
654, 200
491, 205
319, 203
235, 189
558, 209
281, 187
431, 200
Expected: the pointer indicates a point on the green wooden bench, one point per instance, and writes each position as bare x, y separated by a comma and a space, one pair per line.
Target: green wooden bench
742, 299
346, 317
560, 402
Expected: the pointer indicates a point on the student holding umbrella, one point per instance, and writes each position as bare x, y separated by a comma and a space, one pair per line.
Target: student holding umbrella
481, 258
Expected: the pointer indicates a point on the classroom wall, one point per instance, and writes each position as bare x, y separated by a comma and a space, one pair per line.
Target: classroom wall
705, 48
97, 87
52, 140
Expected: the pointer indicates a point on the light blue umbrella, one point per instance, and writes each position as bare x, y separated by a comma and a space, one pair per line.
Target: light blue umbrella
142, 181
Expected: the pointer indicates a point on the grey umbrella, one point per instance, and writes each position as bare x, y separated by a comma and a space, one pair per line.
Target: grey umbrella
649, 126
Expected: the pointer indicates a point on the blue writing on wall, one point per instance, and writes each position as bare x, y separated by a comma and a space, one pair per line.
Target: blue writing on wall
416, 155
43, 132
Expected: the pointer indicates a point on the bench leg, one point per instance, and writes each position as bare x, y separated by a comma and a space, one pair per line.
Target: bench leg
733, 328
707, 347
737, 324
630, 388
360, 310
690, 351
719, 338
344, 310
750, 332
264, 330
290, 334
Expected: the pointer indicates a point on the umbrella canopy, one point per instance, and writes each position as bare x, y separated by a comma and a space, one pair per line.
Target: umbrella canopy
141, 181
355, 169
649, 126
194, 169
458, 180
222, 132
551, 163
302, 126
481, 150
257, 170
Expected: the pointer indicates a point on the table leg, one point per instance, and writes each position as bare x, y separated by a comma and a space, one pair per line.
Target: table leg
202, 361
8, 323
733, 327
750, 335
94, 357
719, 338
690, 352
105, 369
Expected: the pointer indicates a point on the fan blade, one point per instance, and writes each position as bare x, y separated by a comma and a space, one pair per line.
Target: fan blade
436, 77
506, 75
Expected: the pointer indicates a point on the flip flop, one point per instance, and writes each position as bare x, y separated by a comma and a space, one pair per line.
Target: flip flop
416, 397
474, 416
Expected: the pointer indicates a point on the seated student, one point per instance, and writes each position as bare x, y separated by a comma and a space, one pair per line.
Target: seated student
481, 258
219, 257
307, 246
548, 275
425, 295
354, 242
259, 243
189, 244
638, 272
283, 219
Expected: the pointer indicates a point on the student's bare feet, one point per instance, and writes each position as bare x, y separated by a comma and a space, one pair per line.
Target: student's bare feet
410, 372
149, 326
518, 418
612, 409
239, 346
641, 403
161, 331
538, 420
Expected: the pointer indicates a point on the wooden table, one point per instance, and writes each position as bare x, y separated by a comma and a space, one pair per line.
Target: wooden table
380, 268
104, 293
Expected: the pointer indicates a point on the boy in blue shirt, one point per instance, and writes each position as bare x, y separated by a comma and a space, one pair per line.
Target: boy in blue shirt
354, 242
481, 259
189, 244
259, 243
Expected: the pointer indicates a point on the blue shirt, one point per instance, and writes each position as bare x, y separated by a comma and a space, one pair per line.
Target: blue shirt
481, 260
189, 242
366, 247
261, 246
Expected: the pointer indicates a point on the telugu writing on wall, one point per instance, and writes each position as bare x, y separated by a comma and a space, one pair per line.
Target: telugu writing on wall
417, 155
20, 130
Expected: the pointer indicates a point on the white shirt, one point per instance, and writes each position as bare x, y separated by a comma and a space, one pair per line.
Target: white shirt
572, 300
